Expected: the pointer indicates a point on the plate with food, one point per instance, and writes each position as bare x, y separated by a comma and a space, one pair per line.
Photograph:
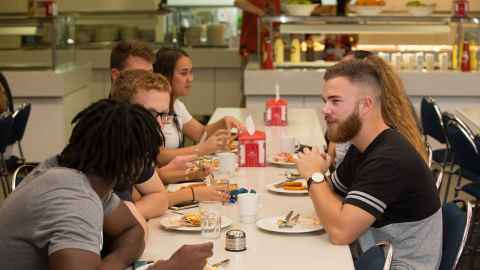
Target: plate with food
283, 159
368, 7
202, 163
189, 222
289, 187
303, 224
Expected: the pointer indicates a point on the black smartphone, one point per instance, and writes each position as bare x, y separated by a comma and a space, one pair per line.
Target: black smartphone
301, 147
184, 205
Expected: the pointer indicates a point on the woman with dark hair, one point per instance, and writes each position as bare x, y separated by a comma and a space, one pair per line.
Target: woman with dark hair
63, 208
176, 65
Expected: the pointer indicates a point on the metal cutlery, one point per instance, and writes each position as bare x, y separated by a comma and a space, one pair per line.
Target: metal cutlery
220, 263
284, 222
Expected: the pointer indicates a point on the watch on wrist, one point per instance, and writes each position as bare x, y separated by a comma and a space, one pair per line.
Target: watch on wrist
316, 178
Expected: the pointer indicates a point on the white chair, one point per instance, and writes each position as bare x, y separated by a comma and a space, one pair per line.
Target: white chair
19, 174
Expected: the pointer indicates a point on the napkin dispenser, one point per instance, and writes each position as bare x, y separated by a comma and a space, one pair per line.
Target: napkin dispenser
252, 149
276, 112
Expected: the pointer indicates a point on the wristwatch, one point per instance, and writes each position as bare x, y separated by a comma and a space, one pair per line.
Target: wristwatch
316, 178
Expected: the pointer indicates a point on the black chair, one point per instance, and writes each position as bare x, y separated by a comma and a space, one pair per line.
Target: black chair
20, 120
457, 221
6, 128
8, 92
432, 124
378, 257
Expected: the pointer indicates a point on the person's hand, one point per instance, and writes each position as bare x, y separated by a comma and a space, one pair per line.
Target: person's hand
211, 193
232, 122
198, 174
180, 162
217, 141
311, 161
187, 257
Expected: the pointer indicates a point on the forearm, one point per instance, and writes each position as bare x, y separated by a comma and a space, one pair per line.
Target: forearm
166, 155
171, 176
182, 195
211, 128
126, 248
249, 7
153, 205
328, 207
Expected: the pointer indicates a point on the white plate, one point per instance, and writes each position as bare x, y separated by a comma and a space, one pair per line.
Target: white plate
282, 163
304, 225
170, 223
273, 188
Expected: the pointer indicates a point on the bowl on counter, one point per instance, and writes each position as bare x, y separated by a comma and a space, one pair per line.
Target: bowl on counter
300, 9
368, 10
420, 11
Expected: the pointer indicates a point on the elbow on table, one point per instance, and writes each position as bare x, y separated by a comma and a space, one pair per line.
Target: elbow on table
340, 237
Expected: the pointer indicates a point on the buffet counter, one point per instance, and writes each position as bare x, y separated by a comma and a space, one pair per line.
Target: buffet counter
303, 87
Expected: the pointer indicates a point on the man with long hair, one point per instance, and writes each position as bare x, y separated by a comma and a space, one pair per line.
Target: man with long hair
55, 217
383, 186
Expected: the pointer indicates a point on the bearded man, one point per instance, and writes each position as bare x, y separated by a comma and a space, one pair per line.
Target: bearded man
383, 186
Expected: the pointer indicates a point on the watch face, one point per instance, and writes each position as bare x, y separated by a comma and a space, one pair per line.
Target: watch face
318, 177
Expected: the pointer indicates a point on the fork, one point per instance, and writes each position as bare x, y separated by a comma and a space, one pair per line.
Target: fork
284, 222
220, 263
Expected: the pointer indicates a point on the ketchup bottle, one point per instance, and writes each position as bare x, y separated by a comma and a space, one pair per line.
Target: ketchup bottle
267, 60
465, 66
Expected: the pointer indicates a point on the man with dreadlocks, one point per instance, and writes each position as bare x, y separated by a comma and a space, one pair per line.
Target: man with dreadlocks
383, 186
55, 217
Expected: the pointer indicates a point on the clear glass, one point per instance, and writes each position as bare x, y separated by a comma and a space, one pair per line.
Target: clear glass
211, 217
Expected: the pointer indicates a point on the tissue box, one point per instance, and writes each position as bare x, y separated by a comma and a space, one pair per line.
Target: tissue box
276, 112
252, 149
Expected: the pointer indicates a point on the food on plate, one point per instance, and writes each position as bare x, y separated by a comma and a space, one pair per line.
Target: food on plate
370, 3
232, 143
415, 3
293, 185
192, 219
284, 157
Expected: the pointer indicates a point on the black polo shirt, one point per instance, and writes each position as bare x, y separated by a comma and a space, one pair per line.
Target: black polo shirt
390, 180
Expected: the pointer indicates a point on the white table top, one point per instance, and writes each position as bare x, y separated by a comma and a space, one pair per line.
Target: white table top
471, 115
264, 249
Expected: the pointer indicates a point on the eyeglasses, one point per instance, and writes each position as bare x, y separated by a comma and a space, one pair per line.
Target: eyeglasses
165, 117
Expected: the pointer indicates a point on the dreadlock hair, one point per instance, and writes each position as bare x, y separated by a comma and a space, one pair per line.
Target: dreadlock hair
397, 110
113, 140
166, 59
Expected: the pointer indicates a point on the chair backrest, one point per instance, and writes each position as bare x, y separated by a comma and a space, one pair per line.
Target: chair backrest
463, 146
447, 117
378, 257
19, 174
6, 129
456, 228
20, 120
431, 118
8, 92
430, 155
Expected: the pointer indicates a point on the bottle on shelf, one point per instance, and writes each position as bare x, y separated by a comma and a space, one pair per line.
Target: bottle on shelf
473, 55
267, 54
310, 54
295, 51
465, 65
279, 51
454, 56
460, 8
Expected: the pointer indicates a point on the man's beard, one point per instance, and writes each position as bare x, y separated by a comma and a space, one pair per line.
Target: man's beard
347, 129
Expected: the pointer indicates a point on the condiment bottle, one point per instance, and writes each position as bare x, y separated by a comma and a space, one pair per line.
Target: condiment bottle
279, 51
473, 55
465, 66
267, 60
295, 53
310, 49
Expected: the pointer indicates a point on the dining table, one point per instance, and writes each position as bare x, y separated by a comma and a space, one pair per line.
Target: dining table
265, 249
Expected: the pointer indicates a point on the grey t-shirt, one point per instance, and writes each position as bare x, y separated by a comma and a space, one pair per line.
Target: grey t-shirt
54, 208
